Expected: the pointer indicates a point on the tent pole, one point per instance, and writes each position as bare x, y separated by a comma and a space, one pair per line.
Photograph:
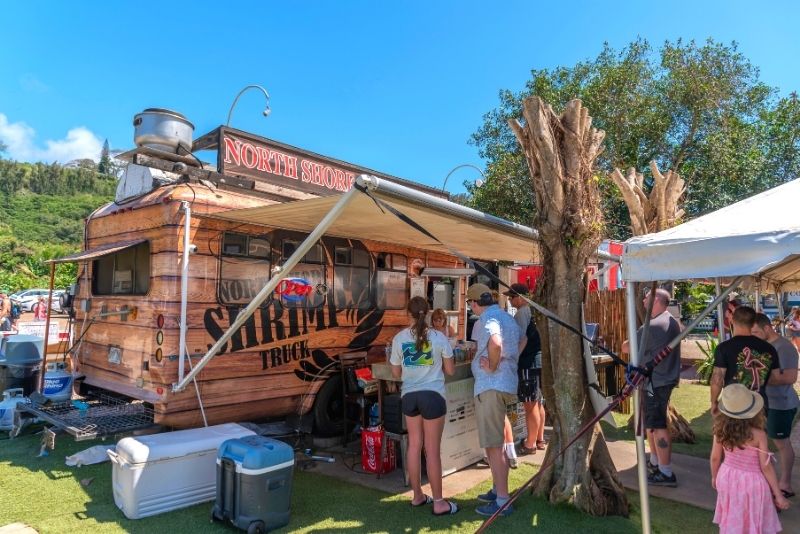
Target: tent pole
47, 326
279, 273
633, 350
187, 225
720, 314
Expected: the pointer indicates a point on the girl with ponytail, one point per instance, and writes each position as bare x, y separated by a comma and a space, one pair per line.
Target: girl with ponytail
420, 358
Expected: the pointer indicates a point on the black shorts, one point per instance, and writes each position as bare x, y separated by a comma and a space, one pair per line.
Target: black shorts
779, 423
428, 404
530, 385
655, 407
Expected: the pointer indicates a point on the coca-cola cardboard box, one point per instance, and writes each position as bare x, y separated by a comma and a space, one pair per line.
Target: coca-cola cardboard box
371, 440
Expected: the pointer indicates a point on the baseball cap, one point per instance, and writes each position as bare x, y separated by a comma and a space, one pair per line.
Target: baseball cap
517, 289
475, 291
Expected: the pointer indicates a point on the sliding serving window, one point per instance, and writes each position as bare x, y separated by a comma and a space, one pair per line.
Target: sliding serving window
126, 272
244, 267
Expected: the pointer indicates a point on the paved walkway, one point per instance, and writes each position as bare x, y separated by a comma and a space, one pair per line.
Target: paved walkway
693, 475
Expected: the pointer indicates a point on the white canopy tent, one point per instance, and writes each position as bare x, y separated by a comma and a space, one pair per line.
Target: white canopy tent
755, 241
758, 238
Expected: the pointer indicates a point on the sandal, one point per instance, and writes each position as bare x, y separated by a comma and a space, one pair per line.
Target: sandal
787, 494
453, 509
428, 500
541, 444
524, 450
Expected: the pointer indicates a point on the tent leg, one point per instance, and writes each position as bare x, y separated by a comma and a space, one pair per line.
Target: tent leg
641, 463
720, 314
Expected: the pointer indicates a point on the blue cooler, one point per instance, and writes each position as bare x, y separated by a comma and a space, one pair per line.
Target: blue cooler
254, 483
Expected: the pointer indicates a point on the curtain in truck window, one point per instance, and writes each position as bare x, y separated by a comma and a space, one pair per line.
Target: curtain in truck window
126, 272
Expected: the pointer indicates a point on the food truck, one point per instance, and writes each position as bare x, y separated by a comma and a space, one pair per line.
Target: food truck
170, 306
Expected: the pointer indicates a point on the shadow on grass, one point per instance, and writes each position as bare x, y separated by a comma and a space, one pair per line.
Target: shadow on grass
48, 495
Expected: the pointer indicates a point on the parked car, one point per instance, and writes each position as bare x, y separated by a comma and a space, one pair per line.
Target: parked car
28, 298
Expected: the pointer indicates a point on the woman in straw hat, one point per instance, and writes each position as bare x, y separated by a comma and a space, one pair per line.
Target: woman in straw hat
741, 472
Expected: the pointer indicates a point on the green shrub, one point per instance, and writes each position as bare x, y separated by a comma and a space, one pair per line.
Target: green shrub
706, 366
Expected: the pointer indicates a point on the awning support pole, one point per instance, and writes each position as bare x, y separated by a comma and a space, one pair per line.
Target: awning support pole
187, 223
47, 326
633, 350
720, 313
267, 290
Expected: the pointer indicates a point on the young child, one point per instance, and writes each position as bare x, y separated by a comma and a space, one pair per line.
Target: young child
741, 472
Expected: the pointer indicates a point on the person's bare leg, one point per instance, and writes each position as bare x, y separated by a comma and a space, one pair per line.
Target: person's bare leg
540, 437
432, 437
663, 446
786, 463
651, 443
508, 433
413, 461
508, 443
532, 422
499, 467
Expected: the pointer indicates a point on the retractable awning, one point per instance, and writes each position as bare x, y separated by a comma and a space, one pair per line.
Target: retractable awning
468, 231
98, 252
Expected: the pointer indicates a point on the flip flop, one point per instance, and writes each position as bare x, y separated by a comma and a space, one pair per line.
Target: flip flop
787, 494
453, 509
428, 500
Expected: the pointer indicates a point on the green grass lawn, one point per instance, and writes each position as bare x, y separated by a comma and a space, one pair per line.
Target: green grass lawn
47, 495
692, 401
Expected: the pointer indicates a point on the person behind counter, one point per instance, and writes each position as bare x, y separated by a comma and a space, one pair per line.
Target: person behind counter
439, 323
420, 357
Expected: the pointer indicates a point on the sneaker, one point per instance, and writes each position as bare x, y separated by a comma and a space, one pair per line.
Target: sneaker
660, 479
513, 463
652, 469
489, 509
489, 496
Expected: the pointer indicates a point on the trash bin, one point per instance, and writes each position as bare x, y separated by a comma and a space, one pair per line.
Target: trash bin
20, 362
254, 483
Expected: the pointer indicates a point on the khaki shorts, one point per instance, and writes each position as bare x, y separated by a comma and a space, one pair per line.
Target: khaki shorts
490, 410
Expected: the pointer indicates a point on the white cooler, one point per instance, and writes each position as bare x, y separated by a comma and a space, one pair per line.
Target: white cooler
163, 472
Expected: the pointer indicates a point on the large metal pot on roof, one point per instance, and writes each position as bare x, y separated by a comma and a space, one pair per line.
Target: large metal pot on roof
163, 129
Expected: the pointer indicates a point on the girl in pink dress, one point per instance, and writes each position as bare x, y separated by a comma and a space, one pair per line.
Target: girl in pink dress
741, 472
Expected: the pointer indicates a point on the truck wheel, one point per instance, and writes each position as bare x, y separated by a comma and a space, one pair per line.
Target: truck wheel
328, 408
256, 527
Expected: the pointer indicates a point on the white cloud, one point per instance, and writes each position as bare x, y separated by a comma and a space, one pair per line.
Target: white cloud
80, 143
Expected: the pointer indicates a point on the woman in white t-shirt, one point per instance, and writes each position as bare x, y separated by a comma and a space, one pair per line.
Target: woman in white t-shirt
420, 357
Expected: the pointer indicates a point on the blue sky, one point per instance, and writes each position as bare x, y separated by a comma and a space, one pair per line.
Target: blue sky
395, 86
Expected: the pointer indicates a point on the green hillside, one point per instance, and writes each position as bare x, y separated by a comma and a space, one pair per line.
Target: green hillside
42, 207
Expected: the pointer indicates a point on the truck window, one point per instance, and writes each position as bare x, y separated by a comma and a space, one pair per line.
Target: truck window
244, 267
305, 286
351, 279
126, 272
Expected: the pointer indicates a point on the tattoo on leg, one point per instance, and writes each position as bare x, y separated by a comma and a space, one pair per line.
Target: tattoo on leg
662, 443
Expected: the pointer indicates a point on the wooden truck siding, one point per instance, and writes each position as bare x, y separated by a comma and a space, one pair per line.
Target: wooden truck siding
275, 365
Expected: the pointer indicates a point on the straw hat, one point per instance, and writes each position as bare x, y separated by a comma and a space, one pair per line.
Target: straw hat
739, 402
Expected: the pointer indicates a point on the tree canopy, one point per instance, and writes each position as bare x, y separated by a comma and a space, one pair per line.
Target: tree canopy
697, 109
42, 207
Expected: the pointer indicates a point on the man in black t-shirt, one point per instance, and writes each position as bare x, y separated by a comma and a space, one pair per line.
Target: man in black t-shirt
744, 359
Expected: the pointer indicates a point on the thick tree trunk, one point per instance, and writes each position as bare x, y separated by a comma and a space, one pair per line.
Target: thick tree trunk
560, 151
